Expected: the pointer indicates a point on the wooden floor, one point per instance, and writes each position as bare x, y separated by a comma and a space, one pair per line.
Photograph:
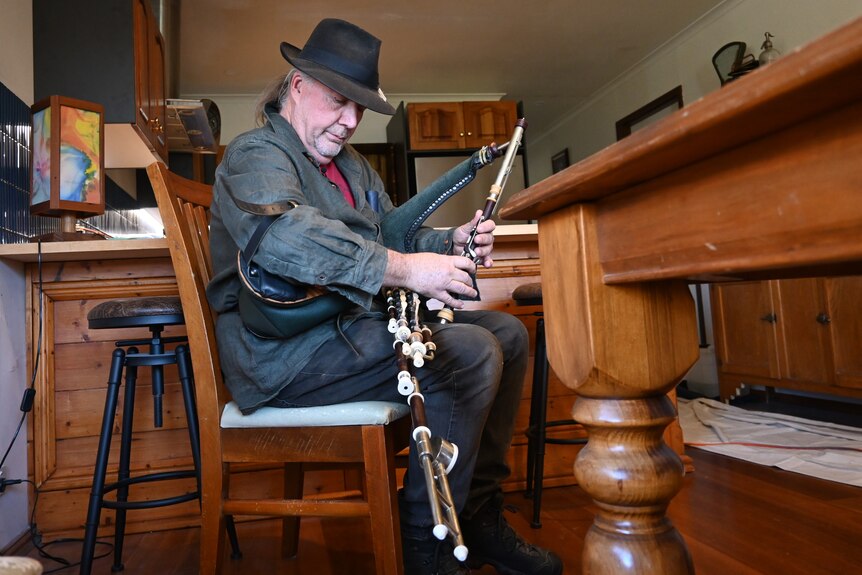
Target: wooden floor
737, 518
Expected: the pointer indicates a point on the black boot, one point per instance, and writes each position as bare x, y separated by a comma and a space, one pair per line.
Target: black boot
430, 557
491, 540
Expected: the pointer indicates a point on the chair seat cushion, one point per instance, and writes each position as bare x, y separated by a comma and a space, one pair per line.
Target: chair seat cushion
354, 413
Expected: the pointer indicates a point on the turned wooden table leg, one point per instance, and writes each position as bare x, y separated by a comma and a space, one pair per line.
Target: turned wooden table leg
622, 348
632, 474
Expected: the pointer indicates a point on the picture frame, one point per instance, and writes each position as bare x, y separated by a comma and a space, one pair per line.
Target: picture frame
650, 113
560, 161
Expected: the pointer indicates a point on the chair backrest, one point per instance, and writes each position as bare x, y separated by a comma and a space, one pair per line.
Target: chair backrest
184, 208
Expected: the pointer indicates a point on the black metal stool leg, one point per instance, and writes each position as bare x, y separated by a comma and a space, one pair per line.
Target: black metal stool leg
230, 527
124, 473
189, 402
540, 389
158, 374
97, 490
533, 421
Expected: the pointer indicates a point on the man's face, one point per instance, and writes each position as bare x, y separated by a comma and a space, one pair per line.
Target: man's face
323, 118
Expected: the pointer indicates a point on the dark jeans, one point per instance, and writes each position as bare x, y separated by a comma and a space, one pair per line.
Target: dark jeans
472, 390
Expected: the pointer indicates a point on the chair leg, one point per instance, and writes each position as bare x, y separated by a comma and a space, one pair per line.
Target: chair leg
379, 458
293, 486
212, 539
540, 393
184, 367
97, 490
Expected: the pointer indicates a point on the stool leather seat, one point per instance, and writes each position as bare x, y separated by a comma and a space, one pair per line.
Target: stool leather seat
143, 311
531, 295
528, 294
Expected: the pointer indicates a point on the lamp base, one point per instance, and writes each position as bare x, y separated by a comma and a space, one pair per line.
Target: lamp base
59, 236
67, 231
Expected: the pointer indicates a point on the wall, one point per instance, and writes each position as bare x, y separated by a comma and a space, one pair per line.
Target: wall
16, 72
686, 60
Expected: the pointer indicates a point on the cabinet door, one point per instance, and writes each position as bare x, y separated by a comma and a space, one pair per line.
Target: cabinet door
151, 114
805, 349
842, 296
486, 122
745, 334
436, 126
158, 109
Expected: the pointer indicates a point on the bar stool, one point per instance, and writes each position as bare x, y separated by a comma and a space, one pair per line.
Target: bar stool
531, 295
154, 313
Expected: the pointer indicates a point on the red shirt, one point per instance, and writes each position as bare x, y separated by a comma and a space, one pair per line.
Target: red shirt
337, 178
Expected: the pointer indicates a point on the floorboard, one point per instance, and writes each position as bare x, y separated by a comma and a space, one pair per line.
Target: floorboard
737, 518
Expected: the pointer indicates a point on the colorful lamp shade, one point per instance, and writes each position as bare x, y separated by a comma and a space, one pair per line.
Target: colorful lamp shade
67, 163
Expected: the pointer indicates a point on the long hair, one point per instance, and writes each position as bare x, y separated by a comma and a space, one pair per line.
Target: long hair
277, 91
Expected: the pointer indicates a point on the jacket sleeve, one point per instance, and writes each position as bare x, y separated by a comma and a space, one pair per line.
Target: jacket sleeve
303, 244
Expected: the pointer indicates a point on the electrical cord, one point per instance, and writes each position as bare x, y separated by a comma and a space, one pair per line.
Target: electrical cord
30, 392
26, 407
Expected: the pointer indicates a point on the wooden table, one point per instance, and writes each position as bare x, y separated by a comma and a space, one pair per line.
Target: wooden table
760, 179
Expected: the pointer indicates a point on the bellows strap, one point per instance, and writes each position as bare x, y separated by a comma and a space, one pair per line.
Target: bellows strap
274, 307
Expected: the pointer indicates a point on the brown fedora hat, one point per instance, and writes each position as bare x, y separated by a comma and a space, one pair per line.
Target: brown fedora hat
343, 57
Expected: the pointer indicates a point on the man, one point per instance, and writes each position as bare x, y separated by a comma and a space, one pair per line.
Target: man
332, 238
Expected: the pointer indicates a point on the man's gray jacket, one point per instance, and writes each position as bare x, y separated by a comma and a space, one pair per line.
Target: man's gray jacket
323, 241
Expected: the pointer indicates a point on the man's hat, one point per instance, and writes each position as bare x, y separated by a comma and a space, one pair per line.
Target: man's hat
343, 57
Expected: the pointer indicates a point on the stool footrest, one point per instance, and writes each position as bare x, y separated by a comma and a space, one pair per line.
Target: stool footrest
148, 341
150, 359
531, 433
150, 504
160, 476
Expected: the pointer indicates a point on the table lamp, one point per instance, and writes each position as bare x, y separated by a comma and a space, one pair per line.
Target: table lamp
67, 172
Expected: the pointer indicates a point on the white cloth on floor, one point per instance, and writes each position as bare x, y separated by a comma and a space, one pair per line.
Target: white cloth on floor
820, 449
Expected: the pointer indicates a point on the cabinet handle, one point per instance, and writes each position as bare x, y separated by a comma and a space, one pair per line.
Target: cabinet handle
156, 126
469, 133
823, 318
770, 317
461, 134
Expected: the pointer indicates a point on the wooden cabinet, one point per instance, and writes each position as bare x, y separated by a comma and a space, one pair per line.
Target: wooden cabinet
151, 116
438, 129
800, 334
458, 125
105, 51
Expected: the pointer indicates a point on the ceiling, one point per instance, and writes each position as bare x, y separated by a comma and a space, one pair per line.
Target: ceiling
549, 54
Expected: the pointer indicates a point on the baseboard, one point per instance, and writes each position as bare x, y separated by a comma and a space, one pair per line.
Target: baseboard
16, 544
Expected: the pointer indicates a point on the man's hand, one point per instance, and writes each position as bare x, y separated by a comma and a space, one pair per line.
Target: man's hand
432, 275
483, 244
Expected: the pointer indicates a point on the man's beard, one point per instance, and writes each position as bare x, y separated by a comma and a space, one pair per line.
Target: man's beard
328, 148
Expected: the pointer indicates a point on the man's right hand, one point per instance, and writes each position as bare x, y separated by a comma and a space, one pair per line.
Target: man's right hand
436, 276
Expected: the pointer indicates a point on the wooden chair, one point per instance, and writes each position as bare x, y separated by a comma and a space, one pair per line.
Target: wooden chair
342, 434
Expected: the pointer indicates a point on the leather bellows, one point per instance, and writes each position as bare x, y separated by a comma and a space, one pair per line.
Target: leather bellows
274, 307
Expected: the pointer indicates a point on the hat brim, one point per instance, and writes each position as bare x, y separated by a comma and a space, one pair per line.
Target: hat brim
362, 95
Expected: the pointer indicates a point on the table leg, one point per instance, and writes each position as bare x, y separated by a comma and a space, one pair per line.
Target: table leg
621, 348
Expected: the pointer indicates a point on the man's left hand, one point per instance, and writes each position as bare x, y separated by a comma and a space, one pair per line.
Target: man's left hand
483, 244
